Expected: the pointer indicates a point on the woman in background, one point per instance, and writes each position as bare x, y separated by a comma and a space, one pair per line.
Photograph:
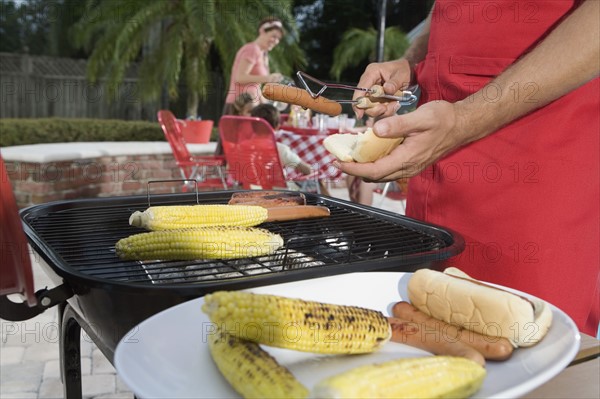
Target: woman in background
251, 65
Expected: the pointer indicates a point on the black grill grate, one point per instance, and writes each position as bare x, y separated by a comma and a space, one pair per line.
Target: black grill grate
78, 238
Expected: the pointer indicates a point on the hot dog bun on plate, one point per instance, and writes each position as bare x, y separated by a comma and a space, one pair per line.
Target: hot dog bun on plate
458, 299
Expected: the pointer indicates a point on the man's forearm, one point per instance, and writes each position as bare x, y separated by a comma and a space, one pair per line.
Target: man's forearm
566, 59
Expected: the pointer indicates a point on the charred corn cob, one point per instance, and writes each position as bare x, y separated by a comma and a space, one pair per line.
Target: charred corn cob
251, 371
184, 216
218, 242
297, 324
425, 377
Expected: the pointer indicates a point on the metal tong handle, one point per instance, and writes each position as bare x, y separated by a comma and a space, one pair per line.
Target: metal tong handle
324, 86
404, 97
373, 95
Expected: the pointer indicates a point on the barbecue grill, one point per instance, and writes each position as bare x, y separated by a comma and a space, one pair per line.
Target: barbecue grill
108, 297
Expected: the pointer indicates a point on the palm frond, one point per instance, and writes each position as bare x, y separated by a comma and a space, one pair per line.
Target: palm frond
162, 67
130, 38
359, 44
396, 43
199, 17
355, 46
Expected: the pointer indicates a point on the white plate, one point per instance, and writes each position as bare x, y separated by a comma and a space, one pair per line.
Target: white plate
166, 356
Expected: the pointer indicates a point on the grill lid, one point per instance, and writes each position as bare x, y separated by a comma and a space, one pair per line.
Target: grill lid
77, 238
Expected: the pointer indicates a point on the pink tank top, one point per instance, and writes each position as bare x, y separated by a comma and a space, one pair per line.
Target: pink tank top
252, 54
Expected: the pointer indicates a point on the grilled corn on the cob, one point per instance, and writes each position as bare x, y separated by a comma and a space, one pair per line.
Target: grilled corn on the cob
297, 324
425, 377
184, 216
251, 371
230, 242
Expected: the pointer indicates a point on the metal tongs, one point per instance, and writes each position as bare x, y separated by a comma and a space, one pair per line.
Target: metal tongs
372, 96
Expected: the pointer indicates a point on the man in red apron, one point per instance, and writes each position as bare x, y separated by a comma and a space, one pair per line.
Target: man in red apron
515, 142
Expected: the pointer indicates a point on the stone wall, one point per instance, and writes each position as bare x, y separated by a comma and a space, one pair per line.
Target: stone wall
41, 173
35, 183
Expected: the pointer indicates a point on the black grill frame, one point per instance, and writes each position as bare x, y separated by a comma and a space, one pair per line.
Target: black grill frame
76, 238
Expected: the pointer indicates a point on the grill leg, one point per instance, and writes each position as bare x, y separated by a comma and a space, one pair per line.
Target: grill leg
70, 353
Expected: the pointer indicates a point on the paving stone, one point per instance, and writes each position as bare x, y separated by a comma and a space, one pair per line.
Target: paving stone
96, 385
24, 377
9, 333
18, 333
51, 369
116, 395
121, 386
50, 315
11, 355
19, 395
87, 346
51, 388
41, 352
41, 329
100, 364
86, 365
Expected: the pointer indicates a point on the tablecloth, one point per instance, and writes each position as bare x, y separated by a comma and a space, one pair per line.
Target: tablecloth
311, 150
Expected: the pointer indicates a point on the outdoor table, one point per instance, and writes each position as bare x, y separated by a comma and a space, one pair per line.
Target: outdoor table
581, 379
308, 130
310, 149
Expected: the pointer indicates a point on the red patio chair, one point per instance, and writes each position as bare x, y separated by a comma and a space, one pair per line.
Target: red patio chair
15, 263
202, 169
252, 158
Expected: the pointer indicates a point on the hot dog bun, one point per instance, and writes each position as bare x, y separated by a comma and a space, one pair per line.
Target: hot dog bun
361, 147
458, 299
294, 95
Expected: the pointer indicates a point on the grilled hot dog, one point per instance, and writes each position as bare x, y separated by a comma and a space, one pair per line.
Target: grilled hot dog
413, 334
294, 95
492, 348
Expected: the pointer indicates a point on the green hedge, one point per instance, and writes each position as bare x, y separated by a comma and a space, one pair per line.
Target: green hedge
61, 130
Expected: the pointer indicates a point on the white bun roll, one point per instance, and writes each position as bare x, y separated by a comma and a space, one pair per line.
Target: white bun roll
361, 147
458, 299
341, 146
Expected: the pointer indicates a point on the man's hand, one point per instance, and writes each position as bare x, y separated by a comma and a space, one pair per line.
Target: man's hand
393, 76
430, 132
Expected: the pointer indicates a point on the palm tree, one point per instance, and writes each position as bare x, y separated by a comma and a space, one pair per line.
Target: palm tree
120, 34
360, 44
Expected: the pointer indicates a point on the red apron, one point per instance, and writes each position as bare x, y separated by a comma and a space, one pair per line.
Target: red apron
526, 198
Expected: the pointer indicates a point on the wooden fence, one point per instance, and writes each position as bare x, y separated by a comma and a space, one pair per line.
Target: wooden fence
41, 86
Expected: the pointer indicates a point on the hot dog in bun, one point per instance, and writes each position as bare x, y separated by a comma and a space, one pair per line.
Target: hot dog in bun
361, 147
456, 298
